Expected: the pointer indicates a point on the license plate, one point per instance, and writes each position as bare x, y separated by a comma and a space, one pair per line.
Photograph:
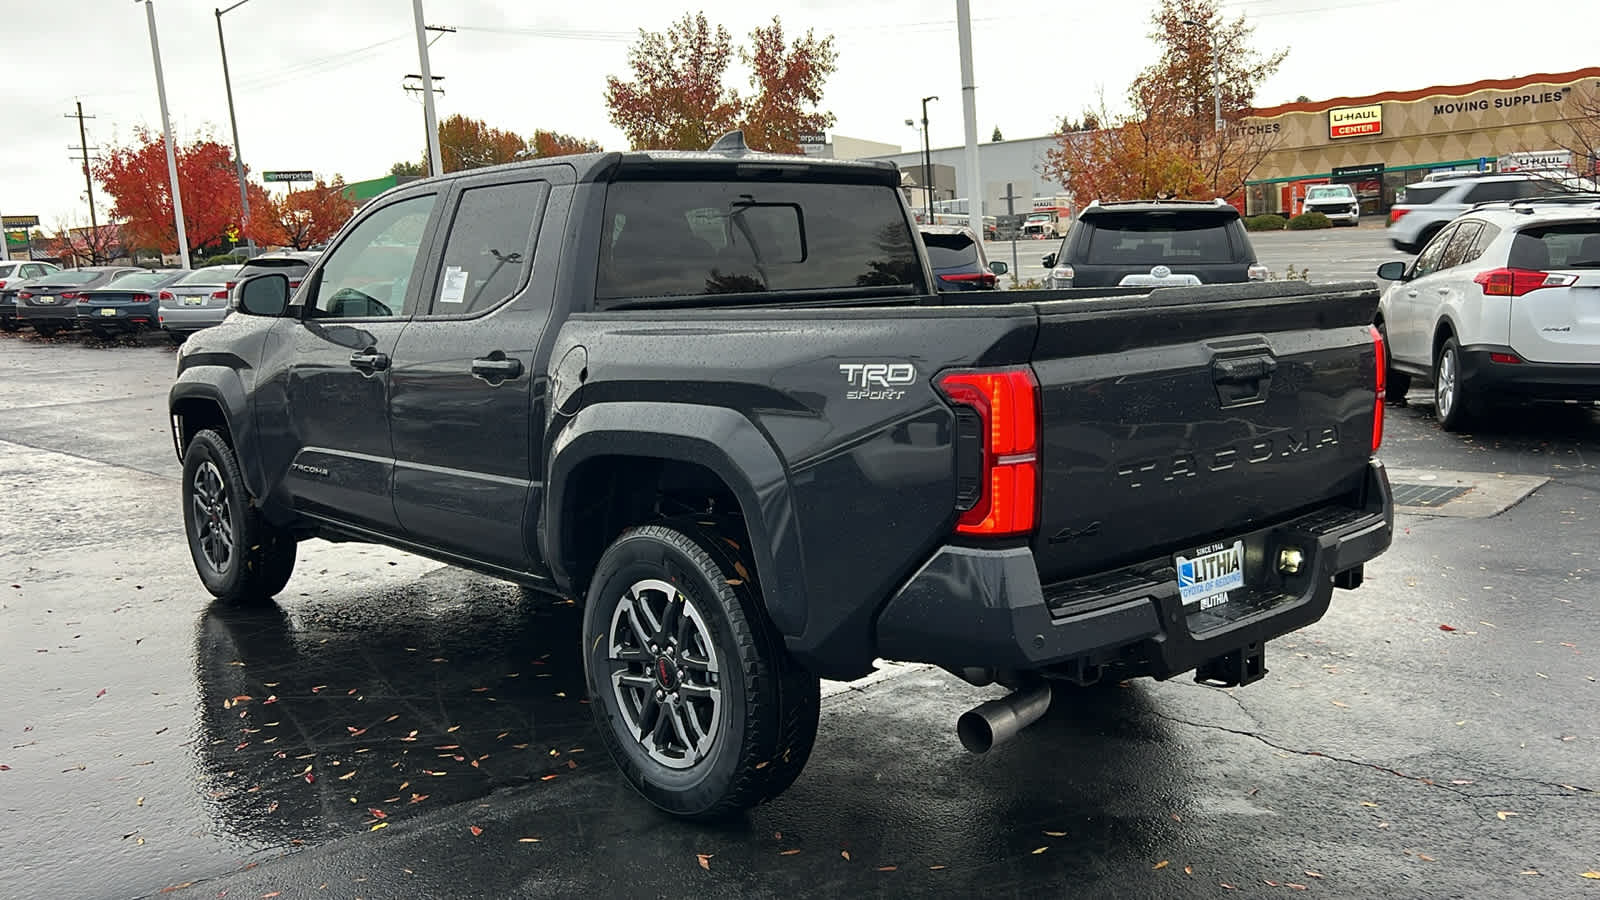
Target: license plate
45, 299
194, 301
108, 312
1206, 576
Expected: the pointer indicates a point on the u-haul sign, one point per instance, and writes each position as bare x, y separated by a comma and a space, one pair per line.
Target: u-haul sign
1355, 121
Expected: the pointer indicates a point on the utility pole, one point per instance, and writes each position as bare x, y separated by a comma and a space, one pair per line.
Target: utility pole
88, 183
435, 167
969, 119
166, 127
927, 159
238, 154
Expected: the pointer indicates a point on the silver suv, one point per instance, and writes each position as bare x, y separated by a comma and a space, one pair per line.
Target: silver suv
1427, 206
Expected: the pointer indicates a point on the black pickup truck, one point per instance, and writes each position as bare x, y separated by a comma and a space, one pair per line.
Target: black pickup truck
714, 396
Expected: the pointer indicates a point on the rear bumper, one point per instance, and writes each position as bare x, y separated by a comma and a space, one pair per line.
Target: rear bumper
1527, 380
65, 315
981, 608
192, 318
126, 318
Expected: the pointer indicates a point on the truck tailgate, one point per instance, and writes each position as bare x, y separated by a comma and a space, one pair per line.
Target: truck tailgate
1180, 418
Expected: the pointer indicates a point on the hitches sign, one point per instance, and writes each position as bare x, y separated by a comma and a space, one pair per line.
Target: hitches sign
1355, 121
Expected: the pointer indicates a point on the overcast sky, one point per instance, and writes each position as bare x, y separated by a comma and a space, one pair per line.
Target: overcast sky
318, 83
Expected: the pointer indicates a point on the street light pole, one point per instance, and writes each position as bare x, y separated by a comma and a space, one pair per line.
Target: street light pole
1216, 69
238, 153
434, 163
927, 159
166, 128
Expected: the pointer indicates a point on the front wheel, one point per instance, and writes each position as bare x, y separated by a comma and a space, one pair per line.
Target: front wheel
238, 554
693, 692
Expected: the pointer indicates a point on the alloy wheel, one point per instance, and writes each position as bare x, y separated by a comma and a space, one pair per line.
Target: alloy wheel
1444, 392
212, 525
665, 673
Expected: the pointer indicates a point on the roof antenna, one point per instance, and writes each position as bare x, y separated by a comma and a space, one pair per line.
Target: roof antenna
732, 142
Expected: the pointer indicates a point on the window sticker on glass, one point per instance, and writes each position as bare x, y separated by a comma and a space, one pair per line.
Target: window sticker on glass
455, 285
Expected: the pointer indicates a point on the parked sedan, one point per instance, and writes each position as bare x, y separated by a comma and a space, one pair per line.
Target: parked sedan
958, 259
126, 305
50, 304
198, 300
13, 275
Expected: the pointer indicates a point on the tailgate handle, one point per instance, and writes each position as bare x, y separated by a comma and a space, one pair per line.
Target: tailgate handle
1252, 368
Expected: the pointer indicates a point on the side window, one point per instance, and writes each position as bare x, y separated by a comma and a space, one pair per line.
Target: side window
486, 252
1485, 238
1428, 260
368, 274
1497, 190
1456, 252
32, 270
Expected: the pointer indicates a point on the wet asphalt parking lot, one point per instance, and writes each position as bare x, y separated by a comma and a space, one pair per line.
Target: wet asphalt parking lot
394, 728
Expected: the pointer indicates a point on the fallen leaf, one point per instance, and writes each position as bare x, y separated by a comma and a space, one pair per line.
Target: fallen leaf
1340, 705
1447, 628
1188, 870
101, 694
1226, 886
418, 798
1298, 887
475, 830
310, 778
354, 731
1459, 781
1313, 874
1590, 874
547, 778
4, 767
936, 868
705, 860
1272, 883
527, 840
1160, 865
1369, 804
1040, 850
787, 852
272, 807
1503, 814
391, 718
378, 814
379, 825
272, 894
453, 728
348, 775
887, 868
846, 854
1529, 872
1425, 857
1056, 833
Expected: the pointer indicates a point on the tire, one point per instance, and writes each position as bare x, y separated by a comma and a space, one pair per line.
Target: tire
44, 330
239, 556
9, 326
1397, 383
1454, 405
750, 713
177, 337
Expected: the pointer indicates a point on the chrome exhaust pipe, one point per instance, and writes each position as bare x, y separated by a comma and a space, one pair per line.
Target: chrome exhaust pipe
997, 721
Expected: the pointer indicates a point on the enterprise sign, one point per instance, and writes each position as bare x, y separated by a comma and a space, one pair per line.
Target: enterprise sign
1355, 121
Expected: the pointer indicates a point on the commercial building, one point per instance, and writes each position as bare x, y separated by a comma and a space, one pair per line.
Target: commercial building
1382, 142
1017, 164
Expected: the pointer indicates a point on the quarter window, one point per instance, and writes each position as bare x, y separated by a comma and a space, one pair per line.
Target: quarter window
369, 274
487, 252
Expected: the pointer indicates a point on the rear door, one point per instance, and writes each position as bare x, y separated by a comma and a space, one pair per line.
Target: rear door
1560, 323
1413, 307
464, 408
1174, 422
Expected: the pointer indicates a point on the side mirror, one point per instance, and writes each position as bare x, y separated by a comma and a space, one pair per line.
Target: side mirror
999, 268
1050, 261
1392, 271
263, 295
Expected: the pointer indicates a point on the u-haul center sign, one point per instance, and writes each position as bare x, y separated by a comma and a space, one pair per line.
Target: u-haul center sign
1355, 121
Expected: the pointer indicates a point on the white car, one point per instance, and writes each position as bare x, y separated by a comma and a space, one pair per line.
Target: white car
1336, 201
1502, 304
1426, 207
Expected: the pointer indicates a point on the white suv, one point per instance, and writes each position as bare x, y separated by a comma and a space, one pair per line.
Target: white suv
1425, 207
1503, 303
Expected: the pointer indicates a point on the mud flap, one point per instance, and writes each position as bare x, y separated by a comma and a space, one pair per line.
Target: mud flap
1234, 669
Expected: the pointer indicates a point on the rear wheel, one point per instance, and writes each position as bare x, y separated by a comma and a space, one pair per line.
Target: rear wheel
8, 325
695, 697
238, 554
1454, 406
177, 337
46, 330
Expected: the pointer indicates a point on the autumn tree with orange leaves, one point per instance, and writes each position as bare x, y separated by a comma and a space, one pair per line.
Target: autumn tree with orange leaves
135, 177
1168, 144
678, 98
466, 143
299, 219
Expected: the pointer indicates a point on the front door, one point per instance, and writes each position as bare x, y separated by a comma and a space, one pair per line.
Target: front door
463, 405
354, 308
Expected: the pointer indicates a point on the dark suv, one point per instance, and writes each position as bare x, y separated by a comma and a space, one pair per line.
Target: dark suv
1154, 243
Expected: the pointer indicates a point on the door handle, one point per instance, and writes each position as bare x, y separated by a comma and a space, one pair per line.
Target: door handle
1411, 293
496, 367
1443, 291
369, 361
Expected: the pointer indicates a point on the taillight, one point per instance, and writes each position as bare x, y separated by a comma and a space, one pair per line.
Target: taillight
167, 295
1063, 275
24, 295
2, 284
1258, 273
1396, 213
141, 298
1381, 353
984, 278
1007, 407
220, 295
1516, 282
78, 296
